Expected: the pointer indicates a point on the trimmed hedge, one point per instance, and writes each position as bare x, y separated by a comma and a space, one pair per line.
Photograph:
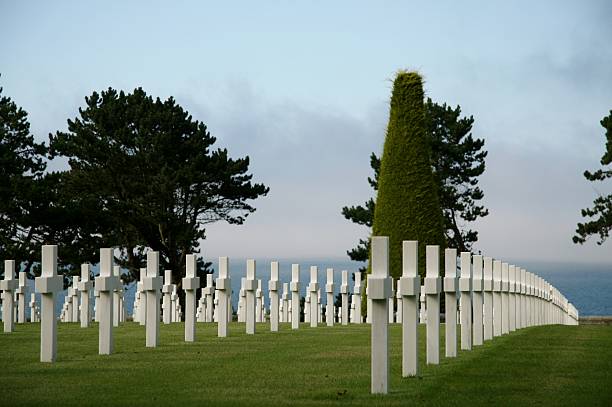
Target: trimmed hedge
407, 206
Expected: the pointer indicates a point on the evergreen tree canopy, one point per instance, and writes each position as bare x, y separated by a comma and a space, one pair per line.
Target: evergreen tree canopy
22, 188
602, 205
145, 175
457, 160
407, 204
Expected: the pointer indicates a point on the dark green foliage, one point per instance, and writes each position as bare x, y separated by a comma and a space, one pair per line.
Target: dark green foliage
407, 204
363, 215
458, 160
602, 205
338, 300
33, 208
144, 174
22, 188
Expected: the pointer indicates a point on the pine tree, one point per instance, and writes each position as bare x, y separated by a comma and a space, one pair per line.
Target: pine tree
145, 175
602, 209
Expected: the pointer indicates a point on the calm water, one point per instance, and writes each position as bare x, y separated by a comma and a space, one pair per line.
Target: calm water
587, 286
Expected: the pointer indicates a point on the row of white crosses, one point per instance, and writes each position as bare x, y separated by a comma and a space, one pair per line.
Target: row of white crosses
76, 307
500, 297
14, 294
281, 308
285, 309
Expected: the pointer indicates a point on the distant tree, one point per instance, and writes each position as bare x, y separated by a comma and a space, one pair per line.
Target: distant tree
407, 204
302, 310
338, 300
601, 212
143, 175
457, 160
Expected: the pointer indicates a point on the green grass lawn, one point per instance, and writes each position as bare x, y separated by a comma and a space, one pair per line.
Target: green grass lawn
552, 365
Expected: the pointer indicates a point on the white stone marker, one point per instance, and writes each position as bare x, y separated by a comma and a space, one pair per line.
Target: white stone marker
85, 287
116, 294
345, 302
201, 316
477, 301
68, 305
135, 311
8, 286
259, 303
488, 298
242, 301
527, 299
320, 307
224, 289
47, 285
174, 305
106, 284
142, 302
523, 299
541, 299
152, 285
392, 303
379, 288
209, 291
398, 301
167, 299
307, 306
32, 307
432, 293
75, 299
250, 286
313, 287
409, 286
295, 296
423, 306
504, 297
190, 285
273, 286
530, 307
22, 292
96, 303
329, 290
450, 300
538, 300
465, 286
512, 298
497, 301
534, 310
368, 319
285, 312
357, 319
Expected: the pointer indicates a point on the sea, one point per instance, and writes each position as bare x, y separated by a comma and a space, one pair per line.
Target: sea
587, 286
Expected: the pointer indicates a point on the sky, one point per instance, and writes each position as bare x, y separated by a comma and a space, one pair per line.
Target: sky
303, 89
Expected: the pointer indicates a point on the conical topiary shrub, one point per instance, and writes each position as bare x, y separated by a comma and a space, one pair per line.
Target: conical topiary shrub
407, 205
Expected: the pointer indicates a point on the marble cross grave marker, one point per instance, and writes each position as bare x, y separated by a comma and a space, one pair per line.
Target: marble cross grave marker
224, 289
47, 285
190, 285
379, 289
409, 287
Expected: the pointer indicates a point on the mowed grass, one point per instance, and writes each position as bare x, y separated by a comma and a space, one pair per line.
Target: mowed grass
550, 365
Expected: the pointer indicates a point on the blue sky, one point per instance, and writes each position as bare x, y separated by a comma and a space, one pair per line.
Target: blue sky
303, 89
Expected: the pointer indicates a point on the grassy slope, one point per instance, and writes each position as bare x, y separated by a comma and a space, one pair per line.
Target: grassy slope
555, 365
